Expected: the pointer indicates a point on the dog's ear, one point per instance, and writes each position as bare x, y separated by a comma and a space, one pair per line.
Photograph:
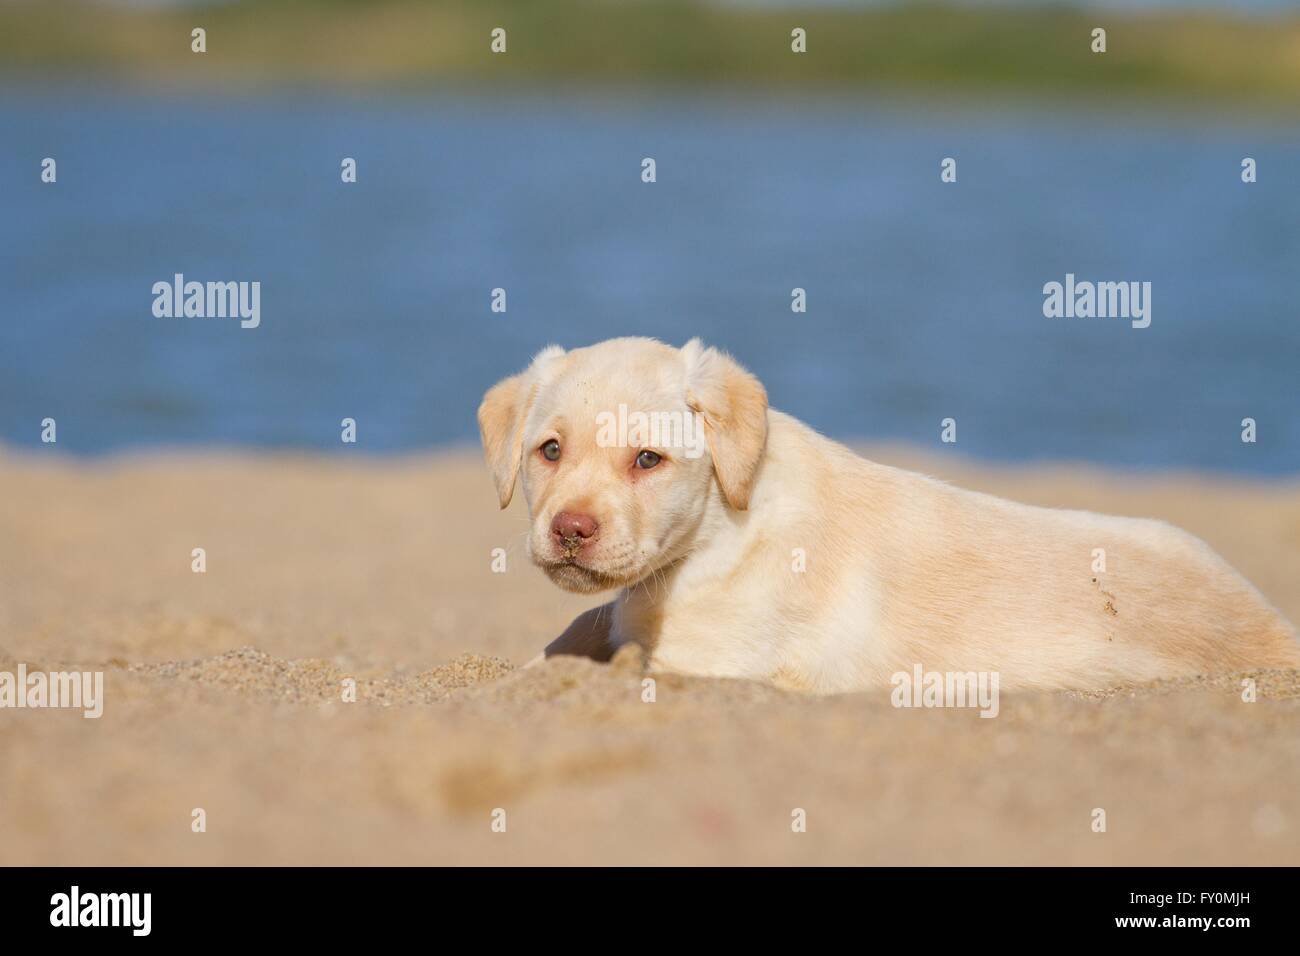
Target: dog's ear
733, 404
501, 423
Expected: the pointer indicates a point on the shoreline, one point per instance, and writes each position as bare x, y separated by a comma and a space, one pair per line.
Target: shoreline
999, 52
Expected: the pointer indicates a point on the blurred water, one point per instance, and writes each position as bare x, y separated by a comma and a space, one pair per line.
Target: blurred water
925, 299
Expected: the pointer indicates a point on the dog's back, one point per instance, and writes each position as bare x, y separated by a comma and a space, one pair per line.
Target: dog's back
963, 581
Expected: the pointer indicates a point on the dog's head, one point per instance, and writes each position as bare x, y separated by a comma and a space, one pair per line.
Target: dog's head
623, 448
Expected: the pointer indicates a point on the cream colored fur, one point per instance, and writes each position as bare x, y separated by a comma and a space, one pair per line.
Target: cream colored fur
898, 569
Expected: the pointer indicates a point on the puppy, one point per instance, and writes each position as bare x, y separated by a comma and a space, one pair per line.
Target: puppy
744, 544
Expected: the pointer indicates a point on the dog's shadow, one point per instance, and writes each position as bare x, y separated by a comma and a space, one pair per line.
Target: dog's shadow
587, 636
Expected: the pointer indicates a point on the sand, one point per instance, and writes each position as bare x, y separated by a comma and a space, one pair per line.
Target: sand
223, 691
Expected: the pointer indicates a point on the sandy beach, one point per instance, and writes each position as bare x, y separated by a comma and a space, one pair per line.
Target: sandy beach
223, 691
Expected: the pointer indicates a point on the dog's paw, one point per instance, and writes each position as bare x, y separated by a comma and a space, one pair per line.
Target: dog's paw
630, 659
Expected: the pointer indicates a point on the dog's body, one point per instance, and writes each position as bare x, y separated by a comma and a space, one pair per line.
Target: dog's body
782, 556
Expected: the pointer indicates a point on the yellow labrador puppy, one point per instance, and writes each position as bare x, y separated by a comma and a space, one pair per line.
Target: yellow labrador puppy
744, 544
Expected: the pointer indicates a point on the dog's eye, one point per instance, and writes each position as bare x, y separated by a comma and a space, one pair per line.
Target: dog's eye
551, 450
647, 459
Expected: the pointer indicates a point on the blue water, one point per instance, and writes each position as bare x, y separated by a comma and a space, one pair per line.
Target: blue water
925, 299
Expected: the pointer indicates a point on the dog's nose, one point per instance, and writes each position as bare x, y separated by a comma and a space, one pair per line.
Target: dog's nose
566, 524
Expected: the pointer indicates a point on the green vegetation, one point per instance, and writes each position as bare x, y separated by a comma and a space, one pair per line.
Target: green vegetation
920, 48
